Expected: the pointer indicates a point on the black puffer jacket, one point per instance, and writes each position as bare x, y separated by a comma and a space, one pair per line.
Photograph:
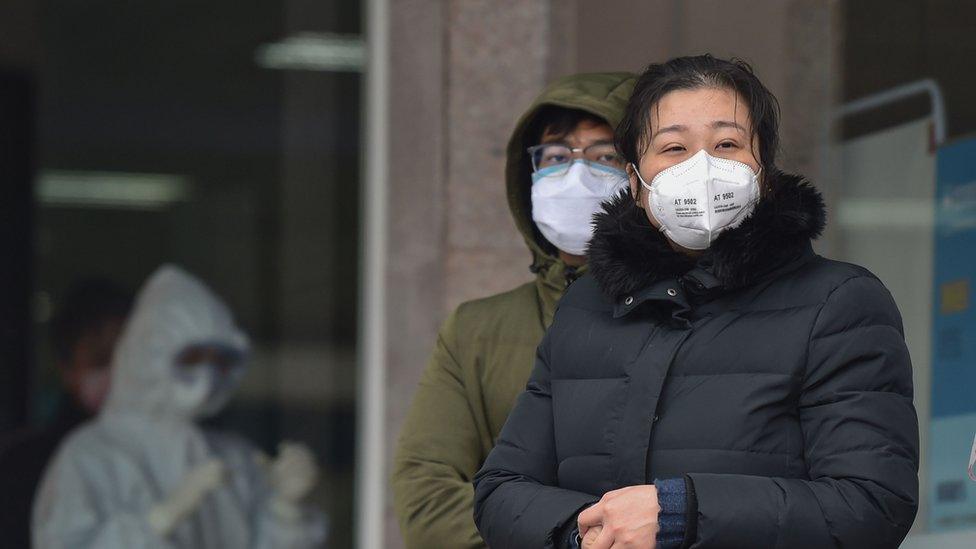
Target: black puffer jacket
777, 381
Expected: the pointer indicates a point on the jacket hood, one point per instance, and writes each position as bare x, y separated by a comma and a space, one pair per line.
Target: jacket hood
628, 254
602, 94
172, 311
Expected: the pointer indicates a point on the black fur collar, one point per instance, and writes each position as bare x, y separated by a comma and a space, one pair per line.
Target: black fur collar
627, 254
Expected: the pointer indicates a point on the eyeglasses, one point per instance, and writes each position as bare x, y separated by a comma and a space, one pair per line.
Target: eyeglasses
556, 158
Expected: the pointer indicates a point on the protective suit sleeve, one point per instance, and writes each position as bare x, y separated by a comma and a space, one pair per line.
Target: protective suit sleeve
72, 510
303, 530
283, 524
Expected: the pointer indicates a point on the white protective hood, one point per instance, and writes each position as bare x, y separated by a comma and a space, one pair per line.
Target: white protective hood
173, 310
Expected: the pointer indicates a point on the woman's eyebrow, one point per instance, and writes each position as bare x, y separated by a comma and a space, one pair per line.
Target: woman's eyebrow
674, 128
727, 124
678, 128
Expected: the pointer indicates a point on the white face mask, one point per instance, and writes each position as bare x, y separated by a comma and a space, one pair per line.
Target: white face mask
698, 199
563, 205
200, 390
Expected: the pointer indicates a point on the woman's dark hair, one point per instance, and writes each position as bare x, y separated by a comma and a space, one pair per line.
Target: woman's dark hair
701, 71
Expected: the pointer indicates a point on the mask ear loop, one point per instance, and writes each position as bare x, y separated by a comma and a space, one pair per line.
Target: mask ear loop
639, 178
644, 184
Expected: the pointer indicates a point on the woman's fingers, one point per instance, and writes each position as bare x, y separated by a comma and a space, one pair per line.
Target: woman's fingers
591, 516
590, 537
603, 541
645, 544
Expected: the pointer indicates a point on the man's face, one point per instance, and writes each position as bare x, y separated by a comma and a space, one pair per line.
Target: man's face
86, 373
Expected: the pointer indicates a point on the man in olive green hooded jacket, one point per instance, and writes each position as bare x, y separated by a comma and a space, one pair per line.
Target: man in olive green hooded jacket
486, 349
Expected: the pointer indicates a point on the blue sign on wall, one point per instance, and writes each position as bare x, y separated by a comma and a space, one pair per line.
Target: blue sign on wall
951, 493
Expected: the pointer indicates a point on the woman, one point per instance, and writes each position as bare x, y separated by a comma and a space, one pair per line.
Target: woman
561, 164
713, 382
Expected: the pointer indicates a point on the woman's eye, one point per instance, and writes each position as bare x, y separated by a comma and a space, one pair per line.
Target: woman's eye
555, 159
726, 145
674, 148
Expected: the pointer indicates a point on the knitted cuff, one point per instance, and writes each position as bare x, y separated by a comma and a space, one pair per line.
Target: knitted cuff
672, 520
691, 518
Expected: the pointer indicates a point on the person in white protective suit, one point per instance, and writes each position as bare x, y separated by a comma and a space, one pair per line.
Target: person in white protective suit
143, 475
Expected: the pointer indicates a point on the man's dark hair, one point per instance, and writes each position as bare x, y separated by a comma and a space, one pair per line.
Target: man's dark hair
558, 122
86, 305
688, 73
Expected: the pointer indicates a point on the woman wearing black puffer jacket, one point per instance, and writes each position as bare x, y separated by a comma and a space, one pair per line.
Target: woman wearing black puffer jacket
712, 382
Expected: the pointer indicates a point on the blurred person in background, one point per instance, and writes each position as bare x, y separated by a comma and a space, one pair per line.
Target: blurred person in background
84, 331
144, 475
712, 382
561, 165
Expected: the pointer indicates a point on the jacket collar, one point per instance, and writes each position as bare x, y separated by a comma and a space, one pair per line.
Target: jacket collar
633, 261
551, 281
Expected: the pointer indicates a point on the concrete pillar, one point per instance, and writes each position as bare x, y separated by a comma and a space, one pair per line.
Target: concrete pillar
490, 82
417, 205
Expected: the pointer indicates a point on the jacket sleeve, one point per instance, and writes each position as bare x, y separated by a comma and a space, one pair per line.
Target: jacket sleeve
437, 455
860, 442
517, 503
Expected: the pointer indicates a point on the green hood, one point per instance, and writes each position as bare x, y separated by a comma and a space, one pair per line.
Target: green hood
602, 94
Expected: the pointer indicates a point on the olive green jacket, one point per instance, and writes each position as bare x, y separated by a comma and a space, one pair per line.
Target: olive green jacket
485, 351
